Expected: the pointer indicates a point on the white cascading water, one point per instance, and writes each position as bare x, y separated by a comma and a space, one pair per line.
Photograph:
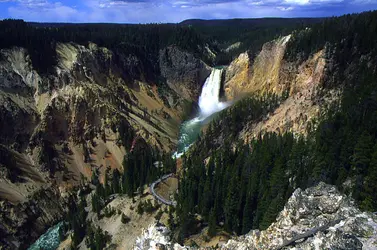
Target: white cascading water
209, 99
209, 104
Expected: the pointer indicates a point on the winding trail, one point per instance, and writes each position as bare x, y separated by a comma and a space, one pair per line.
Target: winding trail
158, 197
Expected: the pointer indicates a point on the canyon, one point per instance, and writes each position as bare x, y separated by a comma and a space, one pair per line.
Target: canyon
100, 110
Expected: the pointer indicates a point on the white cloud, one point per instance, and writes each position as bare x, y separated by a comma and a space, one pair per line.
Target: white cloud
300, 2
44, 11
285, 8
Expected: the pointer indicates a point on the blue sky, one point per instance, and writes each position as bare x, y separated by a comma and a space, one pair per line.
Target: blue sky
161, 11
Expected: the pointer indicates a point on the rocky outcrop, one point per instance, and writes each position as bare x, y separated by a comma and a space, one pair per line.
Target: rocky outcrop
317, 218
183, 72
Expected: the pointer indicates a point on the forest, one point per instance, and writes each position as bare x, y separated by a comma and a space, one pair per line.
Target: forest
250, 33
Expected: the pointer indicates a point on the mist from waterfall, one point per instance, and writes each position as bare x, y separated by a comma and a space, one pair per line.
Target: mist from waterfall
209, 104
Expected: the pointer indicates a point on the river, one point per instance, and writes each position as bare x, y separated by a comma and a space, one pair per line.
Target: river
49, 240
209, 104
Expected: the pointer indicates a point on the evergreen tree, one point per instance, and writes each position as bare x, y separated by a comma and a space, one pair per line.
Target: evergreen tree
370, 189
107, 187
212, 224
171, 223
362, 153
115, 182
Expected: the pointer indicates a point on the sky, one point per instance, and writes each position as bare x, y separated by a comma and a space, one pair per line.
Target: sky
172, 11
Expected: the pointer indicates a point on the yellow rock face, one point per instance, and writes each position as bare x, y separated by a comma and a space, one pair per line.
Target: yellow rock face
270, 73
261, 76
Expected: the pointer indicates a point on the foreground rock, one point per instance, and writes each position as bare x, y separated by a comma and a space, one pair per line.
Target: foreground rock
317, 218
156, 237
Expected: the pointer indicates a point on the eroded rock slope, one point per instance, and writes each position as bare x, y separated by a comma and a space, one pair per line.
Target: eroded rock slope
57, 127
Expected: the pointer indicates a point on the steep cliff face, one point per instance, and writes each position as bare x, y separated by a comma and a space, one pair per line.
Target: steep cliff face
300, 83
183, 72
84, 116
263, 74
18, 82
305, 101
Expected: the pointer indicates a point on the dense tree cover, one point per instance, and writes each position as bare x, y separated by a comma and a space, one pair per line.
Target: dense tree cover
234, 119
144, 165
126, 133
350, 36
138, 169
144, 41
251, 33
244, 186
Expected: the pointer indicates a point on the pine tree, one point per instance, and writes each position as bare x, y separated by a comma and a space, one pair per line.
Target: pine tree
115, 182
171, 223
212, 223
128, 175
125, 219
107, 188
140, 208
250, 206
231, 202
206, 201
362, 153
370, 201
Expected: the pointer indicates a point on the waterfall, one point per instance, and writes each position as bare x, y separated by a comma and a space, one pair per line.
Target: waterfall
209, 99
209, 104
